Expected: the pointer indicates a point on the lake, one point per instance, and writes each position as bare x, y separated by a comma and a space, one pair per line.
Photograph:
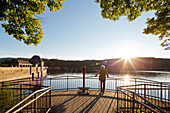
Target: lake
161, 76
73, 80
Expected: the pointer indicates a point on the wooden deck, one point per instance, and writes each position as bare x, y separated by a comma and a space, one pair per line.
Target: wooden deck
71, 102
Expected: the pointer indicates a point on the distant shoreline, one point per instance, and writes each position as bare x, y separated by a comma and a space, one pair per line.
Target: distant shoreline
136, 73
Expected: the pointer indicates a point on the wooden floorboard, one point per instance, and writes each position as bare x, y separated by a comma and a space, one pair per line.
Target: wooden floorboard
72, 102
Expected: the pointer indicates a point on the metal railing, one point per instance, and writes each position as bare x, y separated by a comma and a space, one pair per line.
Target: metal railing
136, 94
37, 102
129, 101
24, 98
72, 82
154, 96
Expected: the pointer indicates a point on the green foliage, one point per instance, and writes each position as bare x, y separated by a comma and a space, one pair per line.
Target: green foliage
132, 9
7, 99
20, 18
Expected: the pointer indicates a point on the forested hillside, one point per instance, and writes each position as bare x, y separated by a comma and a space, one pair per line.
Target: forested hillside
112, 65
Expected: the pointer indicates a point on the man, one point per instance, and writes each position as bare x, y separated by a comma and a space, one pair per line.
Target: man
102, 72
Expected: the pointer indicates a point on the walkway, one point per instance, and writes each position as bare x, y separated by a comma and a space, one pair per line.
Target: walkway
71, 102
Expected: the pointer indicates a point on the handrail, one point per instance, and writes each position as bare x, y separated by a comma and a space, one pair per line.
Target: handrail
141, 103
27, 98
111, 78
141, 85
143, 99
152, 80
31, 101
146, 87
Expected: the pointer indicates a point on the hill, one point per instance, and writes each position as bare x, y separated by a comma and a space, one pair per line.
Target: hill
7, 58
113, 65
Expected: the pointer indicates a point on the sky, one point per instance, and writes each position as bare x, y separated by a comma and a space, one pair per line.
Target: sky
79, 32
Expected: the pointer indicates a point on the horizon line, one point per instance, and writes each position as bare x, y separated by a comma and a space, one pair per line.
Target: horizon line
81, 59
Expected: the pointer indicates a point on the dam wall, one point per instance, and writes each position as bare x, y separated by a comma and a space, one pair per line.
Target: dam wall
11, 73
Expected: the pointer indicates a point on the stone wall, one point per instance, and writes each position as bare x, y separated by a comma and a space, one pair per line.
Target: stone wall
10, 73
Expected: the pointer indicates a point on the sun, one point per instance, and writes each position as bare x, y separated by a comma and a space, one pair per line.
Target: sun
127, 58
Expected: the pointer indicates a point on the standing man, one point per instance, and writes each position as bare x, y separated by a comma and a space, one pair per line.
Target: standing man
102, 72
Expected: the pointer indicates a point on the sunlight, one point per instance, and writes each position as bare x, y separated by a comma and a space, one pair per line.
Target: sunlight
124, 50
128, 54
127, 59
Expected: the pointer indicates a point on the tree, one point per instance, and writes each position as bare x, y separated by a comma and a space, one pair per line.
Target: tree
20, 18
132, 9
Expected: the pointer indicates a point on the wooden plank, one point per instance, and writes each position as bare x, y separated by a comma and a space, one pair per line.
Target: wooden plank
70, 101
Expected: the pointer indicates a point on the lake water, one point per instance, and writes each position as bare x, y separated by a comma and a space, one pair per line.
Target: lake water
161, 76
69, 80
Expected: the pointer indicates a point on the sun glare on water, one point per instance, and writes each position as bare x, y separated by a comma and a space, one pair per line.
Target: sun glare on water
126, 79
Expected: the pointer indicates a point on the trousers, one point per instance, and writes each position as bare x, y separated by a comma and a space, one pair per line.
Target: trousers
102, 86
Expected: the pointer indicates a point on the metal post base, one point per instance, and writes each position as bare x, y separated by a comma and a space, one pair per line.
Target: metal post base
81, 92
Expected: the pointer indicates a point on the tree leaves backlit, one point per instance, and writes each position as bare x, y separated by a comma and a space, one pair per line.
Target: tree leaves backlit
20, 20
19, 16
158, 25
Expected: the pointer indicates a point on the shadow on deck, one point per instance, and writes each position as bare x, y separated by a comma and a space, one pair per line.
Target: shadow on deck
70, 101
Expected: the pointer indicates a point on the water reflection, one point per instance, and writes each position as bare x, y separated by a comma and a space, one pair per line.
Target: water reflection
152, 75
126, 79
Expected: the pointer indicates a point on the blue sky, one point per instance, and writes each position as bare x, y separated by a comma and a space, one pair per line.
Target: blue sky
78, 32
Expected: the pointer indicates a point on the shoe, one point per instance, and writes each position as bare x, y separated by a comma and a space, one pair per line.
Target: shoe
101, 93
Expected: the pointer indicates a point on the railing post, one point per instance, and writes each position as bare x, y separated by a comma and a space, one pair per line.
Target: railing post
84, 70
50, 99
117, 101
145, 95
50, 82
98, 85
67, 83
133, 108
161, 92
145, 92
169, 96
20, 92
3, 101
35, 102
135, 85
116, 84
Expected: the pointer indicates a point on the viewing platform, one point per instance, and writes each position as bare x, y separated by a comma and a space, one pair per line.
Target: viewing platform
71, 102
60, 94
